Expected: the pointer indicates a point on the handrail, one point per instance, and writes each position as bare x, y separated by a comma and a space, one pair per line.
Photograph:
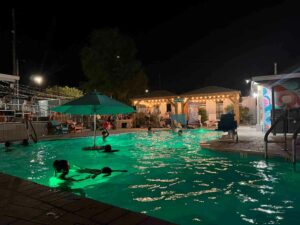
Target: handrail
294, 144
27, 123
283, 117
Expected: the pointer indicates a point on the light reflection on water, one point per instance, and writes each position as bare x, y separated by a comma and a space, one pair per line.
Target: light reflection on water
172, 178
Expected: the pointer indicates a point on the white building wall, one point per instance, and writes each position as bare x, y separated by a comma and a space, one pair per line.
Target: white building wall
250, 102
211, 110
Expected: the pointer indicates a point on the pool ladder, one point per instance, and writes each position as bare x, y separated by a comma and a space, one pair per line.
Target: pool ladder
294, 144
282, 117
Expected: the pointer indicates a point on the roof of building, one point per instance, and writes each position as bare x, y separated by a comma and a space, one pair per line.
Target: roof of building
276, 77
156, 94
209, 90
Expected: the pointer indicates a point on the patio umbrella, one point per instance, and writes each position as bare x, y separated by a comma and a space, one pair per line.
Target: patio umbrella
94, 103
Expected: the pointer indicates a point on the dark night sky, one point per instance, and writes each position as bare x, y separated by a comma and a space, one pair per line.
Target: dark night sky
188, 45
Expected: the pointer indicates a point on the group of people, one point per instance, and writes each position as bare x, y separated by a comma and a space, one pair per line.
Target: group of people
63, 167
176, 128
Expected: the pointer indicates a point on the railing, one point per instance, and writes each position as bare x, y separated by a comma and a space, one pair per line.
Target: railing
294, 144
31, 131
282, 117
16, 131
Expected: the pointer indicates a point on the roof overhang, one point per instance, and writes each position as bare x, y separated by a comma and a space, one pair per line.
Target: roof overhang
212, 93
154, 97
288, 76
9, 78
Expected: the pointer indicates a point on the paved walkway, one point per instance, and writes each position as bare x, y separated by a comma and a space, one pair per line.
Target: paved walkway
27, 203
252, 141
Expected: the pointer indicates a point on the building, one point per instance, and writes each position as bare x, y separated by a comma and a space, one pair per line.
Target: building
214, 99
275, 94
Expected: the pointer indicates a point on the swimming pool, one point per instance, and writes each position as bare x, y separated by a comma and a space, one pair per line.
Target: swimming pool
170, 177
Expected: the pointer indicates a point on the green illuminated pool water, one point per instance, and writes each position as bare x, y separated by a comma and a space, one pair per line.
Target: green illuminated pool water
170, 177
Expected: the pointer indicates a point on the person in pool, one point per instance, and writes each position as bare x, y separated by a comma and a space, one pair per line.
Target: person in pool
179, 132
63, 167
105, 134
108, 149
96, 172
150, 131
7, 146
25, 142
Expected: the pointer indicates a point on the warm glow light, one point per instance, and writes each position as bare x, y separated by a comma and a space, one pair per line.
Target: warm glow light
38, 79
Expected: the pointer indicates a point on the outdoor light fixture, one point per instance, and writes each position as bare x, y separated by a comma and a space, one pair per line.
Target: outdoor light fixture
247, 81
254, 94
38, 79
146, 90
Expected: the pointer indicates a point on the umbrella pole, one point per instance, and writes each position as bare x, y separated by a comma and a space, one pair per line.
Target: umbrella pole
94, 130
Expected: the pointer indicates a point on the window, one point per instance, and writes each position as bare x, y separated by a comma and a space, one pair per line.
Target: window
169, 109
219, 109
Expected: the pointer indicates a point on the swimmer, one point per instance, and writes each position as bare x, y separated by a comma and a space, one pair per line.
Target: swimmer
8, 146
96, 172
107, 149
105, 134
150, 131
25, 142
63, 167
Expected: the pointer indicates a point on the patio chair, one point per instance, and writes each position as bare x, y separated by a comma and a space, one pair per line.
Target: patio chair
55, 127
211, 123
74, 127
228, 124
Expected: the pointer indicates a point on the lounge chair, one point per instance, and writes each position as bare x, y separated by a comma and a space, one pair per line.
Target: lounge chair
74, 127
55, 127
228, 124
211, 123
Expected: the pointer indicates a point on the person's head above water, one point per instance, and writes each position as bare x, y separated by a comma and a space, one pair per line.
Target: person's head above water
149, 128
180, 132
107, 148
106, 170
7, 144
61, 166
25, 142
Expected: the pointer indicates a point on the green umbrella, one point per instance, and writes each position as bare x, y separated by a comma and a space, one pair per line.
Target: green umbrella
94, 103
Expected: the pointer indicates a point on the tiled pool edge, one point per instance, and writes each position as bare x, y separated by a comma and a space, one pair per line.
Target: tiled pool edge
279, 154
26, 202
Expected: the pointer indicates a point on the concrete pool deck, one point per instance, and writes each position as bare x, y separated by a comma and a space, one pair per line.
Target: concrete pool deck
252, 141
23, 202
